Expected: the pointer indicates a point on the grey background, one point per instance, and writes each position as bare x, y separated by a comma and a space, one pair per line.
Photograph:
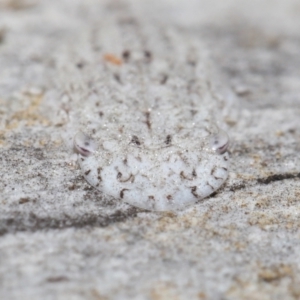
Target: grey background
61, 239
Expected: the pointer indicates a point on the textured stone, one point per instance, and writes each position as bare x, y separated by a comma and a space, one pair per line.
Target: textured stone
62, 239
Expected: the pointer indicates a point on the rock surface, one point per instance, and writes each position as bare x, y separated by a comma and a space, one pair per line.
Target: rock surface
61, 239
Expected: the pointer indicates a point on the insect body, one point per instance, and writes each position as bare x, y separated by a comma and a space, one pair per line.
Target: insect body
147, 134
169, 177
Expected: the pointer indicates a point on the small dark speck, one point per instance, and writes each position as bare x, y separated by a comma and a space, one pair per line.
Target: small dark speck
193, 112
122, 193
2, 35
126, 55
292, 130
213, 194
23, 200
87, 172
164, 79
135, 140
117, 78
127, 21
80, 65
191, 62
168, 139
57, 279
148, 55
193, 191
72, 187
148, 121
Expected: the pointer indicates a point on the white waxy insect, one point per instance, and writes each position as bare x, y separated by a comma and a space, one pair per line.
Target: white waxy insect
169, 177
147, 134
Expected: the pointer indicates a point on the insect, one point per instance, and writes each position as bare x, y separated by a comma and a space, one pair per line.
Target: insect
149, 132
